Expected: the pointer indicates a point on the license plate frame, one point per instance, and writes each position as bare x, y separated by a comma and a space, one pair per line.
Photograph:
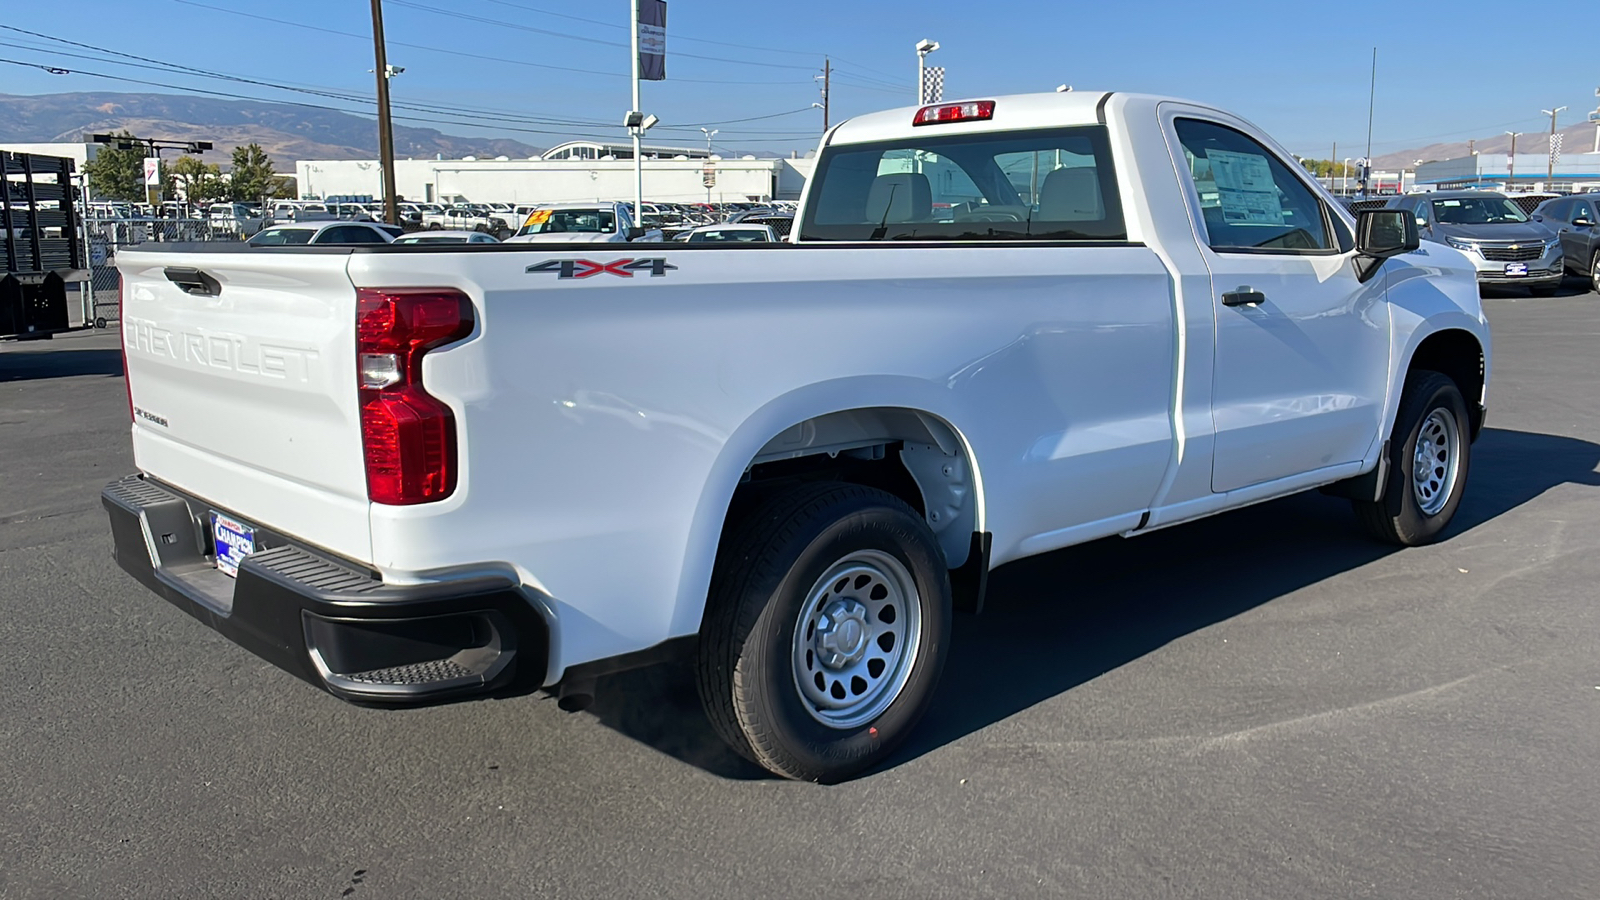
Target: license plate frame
1516, 270
232, 540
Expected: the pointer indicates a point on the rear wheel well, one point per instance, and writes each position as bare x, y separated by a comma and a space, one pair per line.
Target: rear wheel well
907, 453
1457, 355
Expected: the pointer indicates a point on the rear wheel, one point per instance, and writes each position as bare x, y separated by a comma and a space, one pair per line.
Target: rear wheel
825, 631
1429, 453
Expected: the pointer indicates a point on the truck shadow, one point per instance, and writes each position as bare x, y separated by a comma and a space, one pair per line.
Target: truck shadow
1056, 621
36, 364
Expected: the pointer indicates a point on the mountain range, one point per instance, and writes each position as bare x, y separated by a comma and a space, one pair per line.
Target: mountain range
1575, 139
289, 132
285, 131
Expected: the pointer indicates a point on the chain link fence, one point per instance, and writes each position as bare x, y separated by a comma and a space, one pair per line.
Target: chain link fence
107, 236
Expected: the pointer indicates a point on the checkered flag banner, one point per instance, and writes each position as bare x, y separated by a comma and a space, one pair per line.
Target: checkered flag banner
1555, 149
933, 84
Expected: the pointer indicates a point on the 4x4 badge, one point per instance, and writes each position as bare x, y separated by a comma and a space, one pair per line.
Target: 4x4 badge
584, 268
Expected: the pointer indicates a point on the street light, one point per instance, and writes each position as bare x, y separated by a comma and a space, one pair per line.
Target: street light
1345, 171
924, 47
1511, 160
710, 133
1551, 174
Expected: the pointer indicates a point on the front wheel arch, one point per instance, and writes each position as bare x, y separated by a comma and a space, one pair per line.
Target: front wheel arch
1459, 356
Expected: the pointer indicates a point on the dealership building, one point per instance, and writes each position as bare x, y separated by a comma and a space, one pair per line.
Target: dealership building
572, 172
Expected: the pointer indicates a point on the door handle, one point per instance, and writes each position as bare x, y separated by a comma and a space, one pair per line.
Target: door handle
1244, 296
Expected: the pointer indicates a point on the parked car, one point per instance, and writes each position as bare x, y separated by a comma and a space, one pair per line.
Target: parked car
447, 237
1508, 249
581, 223
789, 464
236, 218
1576, 221
335, 231
465, 218
724, 234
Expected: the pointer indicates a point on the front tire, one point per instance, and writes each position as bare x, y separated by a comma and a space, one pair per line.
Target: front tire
1429, 455
825, 632
1594, 273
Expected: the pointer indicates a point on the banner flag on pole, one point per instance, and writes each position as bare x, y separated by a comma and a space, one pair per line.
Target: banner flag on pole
932, 84
653, 40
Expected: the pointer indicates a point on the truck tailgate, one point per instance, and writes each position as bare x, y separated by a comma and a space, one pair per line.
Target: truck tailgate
246, 395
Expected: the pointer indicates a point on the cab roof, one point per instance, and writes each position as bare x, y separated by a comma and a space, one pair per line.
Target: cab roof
1011, 112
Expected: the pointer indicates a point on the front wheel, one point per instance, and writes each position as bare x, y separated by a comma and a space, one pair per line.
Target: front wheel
825, 631
1594, 273
1429, 454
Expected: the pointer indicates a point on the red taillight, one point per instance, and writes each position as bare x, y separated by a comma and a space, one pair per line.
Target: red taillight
408, 436
971, 111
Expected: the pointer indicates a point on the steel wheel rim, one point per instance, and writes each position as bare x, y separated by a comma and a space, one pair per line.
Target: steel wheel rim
856, 639
1437, 462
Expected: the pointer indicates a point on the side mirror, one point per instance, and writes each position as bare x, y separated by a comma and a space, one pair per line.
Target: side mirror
1380, 234
635, 233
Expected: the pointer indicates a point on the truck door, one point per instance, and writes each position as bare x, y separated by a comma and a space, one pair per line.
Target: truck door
1302, 346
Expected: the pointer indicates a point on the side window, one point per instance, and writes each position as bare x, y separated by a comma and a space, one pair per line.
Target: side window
1249, 198
1583, 210
1424, 212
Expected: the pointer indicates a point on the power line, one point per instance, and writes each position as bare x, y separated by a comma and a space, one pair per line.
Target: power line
499, 59
497, 23
675, 36
502, 122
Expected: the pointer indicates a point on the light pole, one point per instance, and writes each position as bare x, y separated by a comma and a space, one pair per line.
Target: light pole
710, 133
1345, 170
924, 47
1550, 174
1511, 160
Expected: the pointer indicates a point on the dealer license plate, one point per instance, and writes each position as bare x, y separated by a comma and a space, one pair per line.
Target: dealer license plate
234, 541
1516, 270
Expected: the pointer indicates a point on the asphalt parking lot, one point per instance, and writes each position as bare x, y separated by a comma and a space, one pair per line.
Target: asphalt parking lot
1261, 705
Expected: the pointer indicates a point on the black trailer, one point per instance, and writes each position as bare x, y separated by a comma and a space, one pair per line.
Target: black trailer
39, 244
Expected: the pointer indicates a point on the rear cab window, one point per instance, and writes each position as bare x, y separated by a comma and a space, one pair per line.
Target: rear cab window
1045, 185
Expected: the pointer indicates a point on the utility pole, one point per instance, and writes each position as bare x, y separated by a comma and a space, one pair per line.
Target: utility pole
1333, 161
827, 78
1550, 175
385, 127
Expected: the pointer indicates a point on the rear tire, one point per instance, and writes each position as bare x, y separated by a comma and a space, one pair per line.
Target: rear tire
825, 631
1429, 455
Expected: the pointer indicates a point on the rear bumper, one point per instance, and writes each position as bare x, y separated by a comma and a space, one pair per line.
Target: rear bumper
330, 622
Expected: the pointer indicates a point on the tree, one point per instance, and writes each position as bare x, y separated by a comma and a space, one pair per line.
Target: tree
252, 176
117, 174
200, 180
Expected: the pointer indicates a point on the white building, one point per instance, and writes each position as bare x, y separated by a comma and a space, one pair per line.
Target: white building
78, 153
544, 180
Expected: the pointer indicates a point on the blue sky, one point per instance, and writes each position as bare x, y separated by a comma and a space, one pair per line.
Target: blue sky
1298, 70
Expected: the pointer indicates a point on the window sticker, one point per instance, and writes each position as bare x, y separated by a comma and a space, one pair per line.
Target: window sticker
537, 217
1245, 187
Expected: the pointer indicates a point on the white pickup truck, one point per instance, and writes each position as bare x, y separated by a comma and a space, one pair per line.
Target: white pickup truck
1000, 327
